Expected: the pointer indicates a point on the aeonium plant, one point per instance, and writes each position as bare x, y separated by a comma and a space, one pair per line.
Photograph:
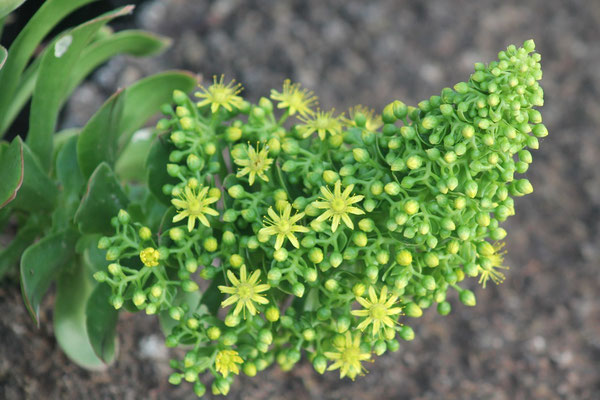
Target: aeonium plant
292, 230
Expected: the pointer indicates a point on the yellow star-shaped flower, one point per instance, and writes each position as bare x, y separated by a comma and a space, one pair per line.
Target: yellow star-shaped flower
348, 357
220, 95
295, 99
245, 291
227, 361
338, 205
283, 225
377, 310
256, 162
192, 205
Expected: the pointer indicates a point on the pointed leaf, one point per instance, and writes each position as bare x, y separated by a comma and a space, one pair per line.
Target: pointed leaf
52, 82
101, 322
131, 163
73, 289
8, 6
110, 129
10, 255
49, 14
38, 192
133, 42
97, 140
145, 97
3, 55
156, 167
11, 171
102, 201
40, 264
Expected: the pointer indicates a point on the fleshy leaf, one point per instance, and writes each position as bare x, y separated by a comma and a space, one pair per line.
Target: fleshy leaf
108, 132
11, 171
102, 201
49, 14
38, 192
101, 322
8, 6
72, 292
52, 82
157, 175
41, 263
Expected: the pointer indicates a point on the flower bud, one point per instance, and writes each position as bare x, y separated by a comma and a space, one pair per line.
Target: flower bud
404, 258
320, 364
139, 298
467, 297
412, 310
407, 333
331, 285
360, 155
114, 269
298, 289
411, 207
315, 255
359, 239
236, 191
392, 188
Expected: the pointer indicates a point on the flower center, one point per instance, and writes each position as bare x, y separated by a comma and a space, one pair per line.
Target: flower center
245, 291
284, 227
351, 355
220, 97
194, 206
338, 205
378, 311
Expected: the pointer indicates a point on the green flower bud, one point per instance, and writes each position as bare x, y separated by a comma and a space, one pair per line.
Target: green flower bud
320, 364
330, 177
139, 298
404, 258
274, 275
388, 116
229, 338
411, 207
298, 289
371, 272
176, 234
412, 310
428, 282
236, 191
331, 285
342, 324
382, 257
221, 385
392, 188
471, 189
315, 255
359, 239
272, 314
116, 301
100, 276
359, 289
336, 259
232, 320
311, 275
379, 348
175, 379
114, 269
360, 155
432, 260
444, 308
467, 297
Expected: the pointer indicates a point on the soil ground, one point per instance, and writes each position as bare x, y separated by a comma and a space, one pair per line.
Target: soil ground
536, 336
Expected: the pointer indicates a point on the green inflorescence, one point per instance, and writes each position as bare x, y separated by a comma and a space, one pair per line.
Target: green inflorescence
321, 234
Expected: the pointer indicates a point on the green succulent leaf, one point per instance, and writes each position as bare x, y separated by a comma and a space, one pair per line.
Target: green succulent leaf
73, 289
156, 172
131, 42
11, 171
8, 6
3, 55
38, 192
9, 256
52, 83
102, 201
101, 322
41, 263
110, 129
24, 46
